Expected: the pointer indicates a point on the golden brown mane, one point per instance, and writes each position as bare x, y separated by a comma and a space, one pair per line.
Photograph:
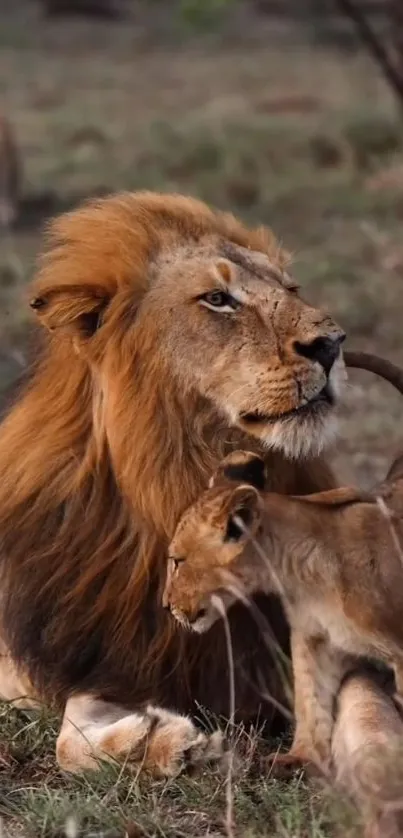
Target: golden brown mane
90, 492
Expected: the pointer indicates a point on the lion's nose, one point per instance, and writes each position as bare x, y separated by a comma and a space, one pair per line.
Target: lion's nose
325, 350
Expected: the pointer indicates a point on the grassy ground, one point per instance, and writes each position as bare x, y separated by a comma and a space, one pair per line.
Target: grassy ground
280, 130
36, 799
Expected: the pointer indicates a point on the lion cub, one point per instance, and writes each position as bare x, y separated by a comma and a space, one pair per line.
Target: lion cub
333, 557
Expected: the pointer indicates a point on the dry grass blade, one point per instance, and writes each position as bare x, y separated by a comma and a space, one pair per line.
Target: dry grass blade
229, 819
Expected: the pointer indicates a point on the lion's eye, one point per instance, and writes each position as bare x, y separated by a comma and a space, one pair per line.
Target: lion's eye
290, 284
219, 301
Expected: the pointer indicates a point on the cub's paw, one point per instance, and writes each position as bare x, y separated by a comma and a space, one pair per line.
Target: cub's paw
175, 744
284, 765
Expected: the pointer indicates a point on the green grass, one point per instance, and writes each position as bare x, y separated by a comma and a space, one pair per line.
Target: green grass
103, 108
42, 801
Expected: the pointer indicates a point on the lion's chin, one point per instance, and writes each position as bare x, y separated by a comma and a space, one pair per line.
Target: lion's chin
297, 437
301, 437
300, 433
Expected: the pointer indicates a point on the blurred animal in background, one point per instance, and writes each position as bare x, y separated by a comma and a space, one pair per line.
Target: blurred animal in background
10, 174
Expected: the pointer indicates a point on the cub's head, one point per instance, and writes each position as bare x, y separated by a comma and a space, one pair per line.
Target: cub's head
206, 552
161, 294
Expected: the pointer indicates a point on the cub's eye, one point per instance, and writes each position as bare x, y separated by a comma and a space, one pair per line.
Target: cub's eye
176, 562
219, 301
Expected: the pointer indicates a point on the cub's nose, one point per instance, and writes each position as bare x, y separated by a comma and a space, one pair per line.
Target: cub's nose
325, 350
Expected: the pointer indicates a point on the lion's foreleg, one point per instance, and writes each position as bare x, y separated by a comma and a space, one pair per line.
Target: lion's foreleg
155, 739
14, 685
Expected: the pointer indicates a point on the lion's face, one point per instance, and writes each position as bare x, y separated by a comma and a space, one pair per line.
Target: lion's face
174, 295
235, 329
206, 555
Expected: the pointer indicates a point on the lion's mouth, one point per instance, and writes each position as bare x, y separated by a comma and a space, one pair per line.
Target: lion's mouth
324, 398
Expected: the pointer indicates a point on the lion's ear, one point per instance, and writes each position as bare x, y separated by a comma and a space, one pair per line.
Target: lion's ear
75, 309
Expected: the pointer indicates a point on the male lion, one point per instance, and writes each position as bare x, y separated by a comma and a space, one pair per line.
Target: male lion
172, 335
333, 557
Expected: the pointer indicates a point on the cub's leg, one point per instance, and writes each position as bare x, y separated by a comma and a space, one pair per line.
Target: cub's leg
318, 670
159, 740
367, 747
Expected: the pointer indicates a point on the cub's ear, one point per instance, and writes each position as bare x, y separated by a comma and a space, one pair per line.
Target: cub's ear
241, 466
245, 466
74, 309
243, 514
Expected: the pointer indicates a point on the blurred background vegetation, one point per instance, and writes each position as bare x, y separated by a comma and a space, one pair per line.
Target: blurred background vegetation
272, 108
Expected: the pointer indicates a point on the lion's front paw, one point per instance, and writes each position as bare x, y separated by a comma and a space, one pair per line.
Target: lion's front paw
162, 742
175, 744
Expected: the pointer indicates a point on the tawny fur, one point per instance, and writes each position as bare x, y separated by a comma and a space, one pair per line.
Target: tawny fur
335, 558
